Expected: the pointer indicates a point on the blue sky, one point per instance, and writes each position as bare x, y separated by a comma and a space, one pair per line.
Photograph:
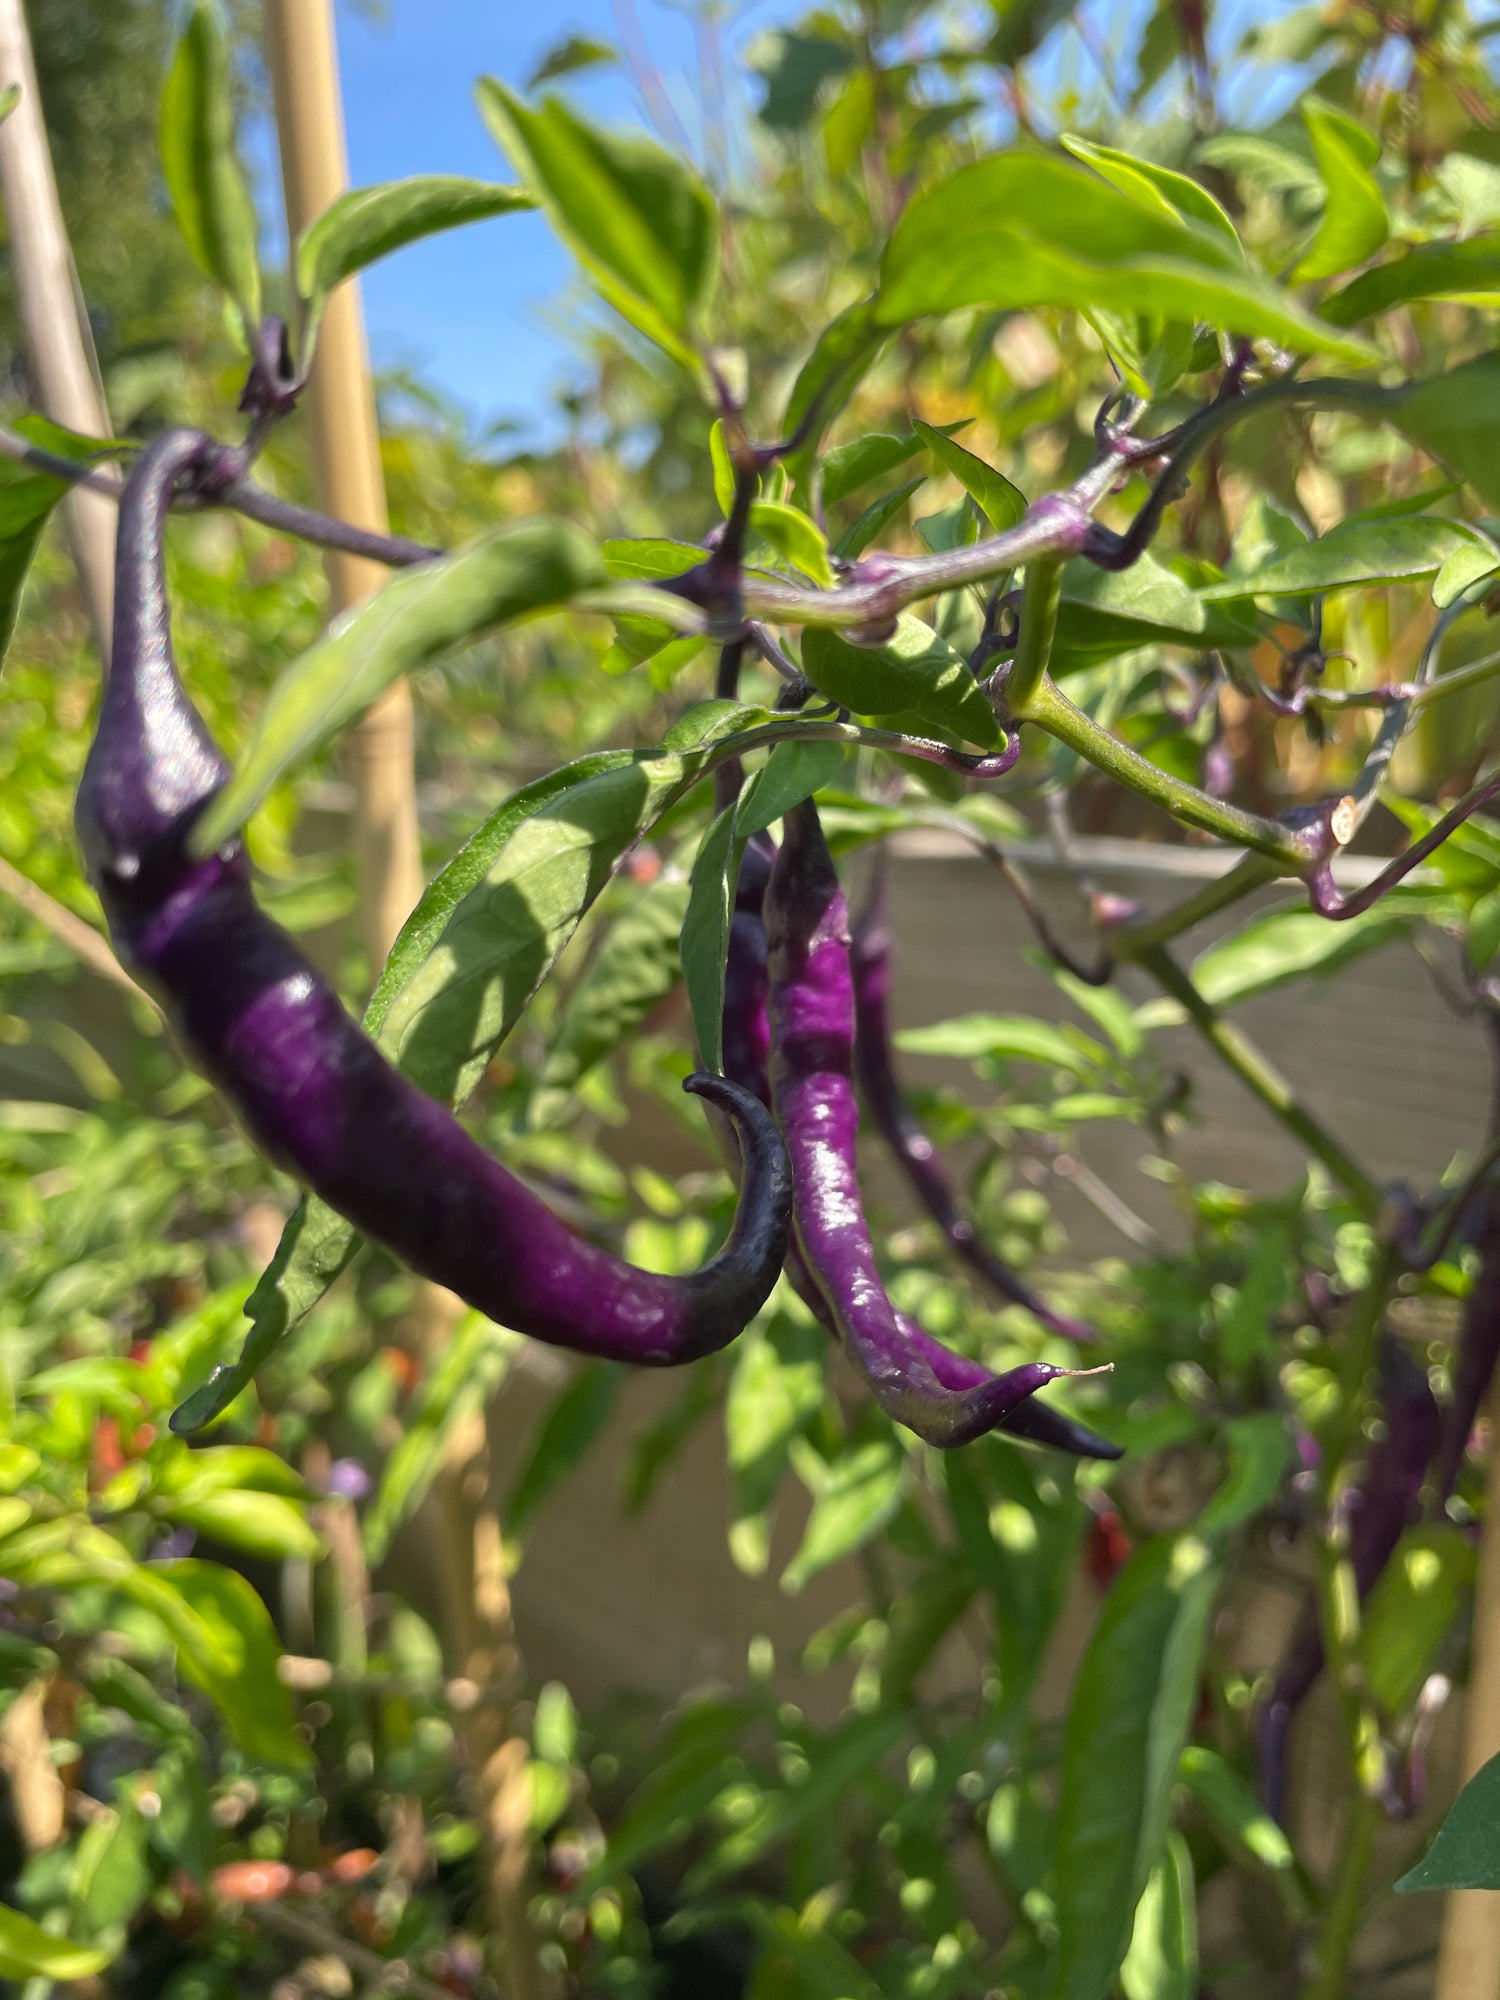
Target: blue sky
469, 311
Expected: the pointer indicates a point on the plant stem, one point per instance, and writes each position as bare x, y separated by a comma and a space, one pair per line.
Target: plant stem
1039, 604
1341, 1920
1261, 1078
1051, 710
1253, 872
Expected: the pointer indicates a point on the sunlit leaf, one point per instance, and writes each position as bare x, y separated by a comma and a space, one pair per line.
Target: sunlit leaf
203, 175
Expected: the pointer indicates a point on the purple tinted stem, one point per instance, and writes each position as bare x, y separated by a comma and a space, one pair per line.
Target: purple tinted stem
1479, 1343
899, 1125
1327, 900
309, 1086
811, 1009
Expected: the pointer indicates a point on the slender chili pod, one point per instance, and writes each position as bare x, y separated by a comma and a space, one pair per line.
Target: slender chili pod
1383, 1503
811, 1007
899, 1125
746, 1039
310, 1087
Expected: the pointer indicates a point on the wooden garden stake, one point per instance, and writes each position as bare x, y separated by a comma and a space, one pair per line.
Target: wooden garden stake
59, 352
340, 405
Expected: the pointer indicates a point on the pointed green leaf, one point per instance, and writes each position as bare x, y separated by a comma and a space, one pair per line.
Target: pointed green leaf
635, 968
420, 615
1001, 503
29, 1952
369, 223
26, 502
914, 673
1466, 1851
641, 222
1415, 1601
203, 174
1431, 271
794, 536
1144, 179
861, 1491
1355, 223
1162, 1962
1132, 1706
1021, 229
1383, 550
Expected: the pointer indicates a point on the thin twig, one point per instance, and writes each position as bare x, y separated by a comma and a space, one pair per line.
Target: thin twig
80, 938
242, 496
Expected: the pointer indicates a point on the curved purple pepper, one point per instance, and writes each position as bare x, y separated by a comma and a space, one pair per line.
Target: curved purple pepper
902, 1130
310, 1087
747, 1038
811, 1008
1384, 1502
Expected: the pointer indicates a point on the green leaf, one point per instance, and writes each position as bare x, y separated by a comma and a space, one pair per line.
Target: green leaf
316, 1247
261, 1524
26, 502
1383, 550
1467, 1847
847, 467
419, 616
637, 965
203, 176
1133, 1703
1456, 419
112, 1872
10, 97
1104, 612
462, 1379
1162, 1962
1021, 229
368, 223
640, 221
842, 353
792, 773
575, 1419
1152, 185
795, 536
1006, 1037
1414, 1603
1232, 1807
795, 68
567, 57
29, 1952
1466, 1851
874, 521
1286, 943
705, 934
775, 1391
1001, 503
1259, 1451
1468, 271
226, 1645
1355, 223
915, 673
857, 1496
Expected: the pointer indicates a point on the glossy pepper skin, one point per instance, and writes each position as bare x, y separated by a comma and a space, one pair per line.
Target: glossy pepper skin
902, 1130
310, 1087
811, 1009
1385, 1501
747, 1037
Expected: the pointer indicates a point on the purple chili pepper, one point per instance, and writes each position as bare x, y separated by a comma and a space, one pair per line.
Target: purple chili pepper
746, 1047
311, 1088
902, 1130
811, 1007
1382, 1505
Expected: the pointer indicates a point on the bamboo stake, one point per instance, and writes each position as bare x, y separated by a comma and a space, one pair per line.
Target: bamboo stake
1469, 1957
303, 61
59, 351
347, 476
